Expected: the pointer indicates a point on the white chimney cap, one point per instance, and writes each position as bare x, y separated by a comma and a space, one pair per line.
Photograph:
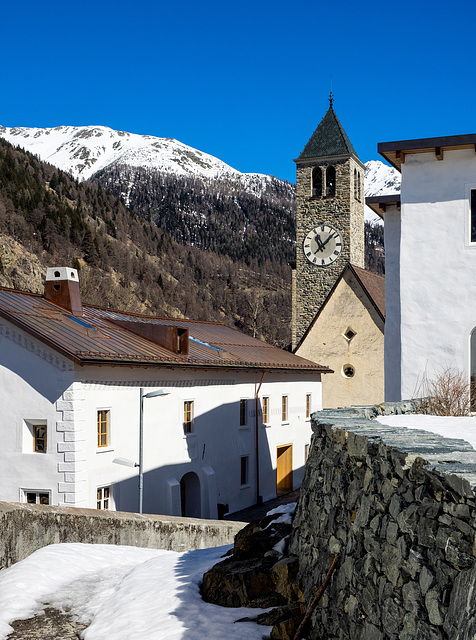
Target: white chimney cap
61, 273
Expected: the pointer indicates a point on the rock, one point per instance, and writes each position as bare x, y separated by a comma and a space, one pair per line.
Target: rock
241, 583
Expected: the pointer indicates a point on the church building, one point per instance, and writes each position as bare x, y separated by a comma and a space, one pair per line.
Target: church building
338, 312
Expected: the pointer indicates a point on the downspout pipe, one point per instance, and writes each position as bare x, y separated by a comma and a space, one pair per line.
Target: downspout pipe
259, 498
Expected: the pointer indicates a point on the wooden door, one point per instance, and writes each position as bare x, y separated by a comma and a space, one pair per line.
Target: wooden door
284, 469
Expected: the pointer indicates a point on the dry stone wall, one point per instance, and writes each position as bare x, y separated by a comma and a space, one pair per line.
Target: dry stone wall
404, 530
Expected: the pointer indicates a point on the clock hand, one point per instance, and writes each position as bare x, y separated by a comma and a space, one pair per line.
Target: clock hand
323, 244
318, 240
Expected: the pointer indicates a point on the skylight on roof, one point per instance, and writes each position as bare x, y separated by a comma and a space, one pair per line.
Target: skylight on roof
205, 344
84, 324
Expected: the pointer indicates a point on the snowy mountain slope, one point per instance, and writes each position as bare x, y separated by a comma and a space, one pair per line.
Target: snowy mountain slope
83, 151
380, 179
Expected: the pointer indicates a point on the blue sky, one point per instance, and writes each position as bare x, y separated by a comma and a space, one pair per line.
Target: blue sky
247, 82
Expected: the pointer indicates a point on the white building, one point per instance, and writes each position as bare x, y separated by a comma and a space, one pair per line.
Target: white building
232, 431
430, 261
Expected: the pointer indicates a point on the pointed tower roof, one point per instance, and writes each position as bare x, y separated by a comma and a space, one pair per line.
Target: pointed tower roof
329, 139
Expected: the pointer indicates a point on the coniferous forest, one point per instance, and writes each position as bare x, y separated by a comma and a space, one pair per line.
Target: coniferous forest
181, 248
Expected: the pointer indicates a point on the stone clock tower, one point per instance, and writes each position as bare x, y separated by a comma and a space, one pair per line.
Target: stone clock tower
329, 218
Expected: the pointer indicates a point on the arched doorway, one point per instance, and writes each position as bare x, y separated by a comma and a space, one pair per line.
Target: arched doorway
472, 369
190, 495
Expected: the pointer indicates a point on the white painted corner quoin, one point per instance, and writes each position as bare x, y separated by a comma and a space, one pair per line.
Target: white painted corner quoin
70, 395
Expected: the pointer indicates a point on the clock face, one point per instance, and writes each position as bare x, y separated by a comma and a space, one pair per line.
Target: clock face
322, 246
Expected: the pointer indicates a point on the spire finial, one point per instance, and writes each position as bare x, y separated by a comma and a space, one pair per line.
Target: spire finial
331, 100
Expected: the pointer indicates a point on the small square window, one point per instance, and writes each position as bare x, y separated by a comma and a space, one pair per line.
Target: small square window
103, 427
244, 469
243, 412
265, 409
188, 416
39, 438
103, 497
284, 409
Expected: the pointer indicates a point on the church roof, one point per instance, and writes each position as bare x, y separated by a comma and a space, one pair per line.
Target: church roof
329, 139
374, 286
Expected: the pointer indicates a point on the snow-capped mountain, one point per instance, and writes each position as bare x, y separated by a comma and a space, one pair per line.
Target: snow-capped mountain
381, 179
83, 151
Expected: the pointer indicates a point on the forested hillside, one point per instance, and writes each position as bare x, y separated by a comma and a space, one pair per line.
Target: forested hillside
219, 215
184, 247
47, 218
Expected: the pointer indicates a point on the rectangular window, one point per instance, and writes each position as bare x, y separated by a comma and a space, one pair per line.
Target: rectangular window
36, 497
308, 405
265, 406
244, 469
103, 497
103, 427
284, 409
243, 412
39, 438
188, 416
306, 452
473, 215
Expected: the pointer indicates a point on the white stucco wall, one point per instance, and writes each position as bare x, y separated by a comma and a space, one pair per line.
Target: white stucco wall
437, 266
213, 451
36, 384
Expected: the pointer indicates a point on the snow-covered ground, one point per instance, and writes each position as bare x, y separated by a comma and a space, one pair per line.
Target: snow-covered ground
123, 593
449, 427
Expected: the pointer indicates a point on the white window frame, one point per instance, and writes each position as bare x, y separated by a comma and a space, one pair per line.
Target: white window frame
23, 495
247, 471
308, 414
285, 418
243, 416
101, 488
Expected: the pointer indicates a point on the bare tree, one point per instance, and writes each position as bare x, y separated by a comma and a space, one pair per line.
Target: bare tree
446, 394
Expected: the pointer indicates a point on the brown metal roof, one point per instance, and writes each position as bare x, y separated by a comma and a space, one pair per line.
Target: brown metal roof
374, 285
94, 338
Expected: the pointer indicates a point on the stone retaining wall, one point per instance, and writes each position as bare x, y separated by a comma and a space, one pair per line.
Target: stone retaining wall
405, 533
26, 528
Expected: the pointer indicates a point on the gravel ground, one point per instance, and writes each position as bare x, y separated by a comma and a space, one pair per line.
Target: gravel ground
51, 624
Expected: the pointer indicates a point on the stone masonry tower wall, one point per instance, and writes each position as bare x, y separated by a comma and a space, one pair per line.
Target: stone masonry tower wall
338, 203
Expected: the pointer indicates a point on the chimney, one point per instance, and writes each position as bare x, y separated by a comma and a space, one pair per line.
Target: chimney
62, 288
